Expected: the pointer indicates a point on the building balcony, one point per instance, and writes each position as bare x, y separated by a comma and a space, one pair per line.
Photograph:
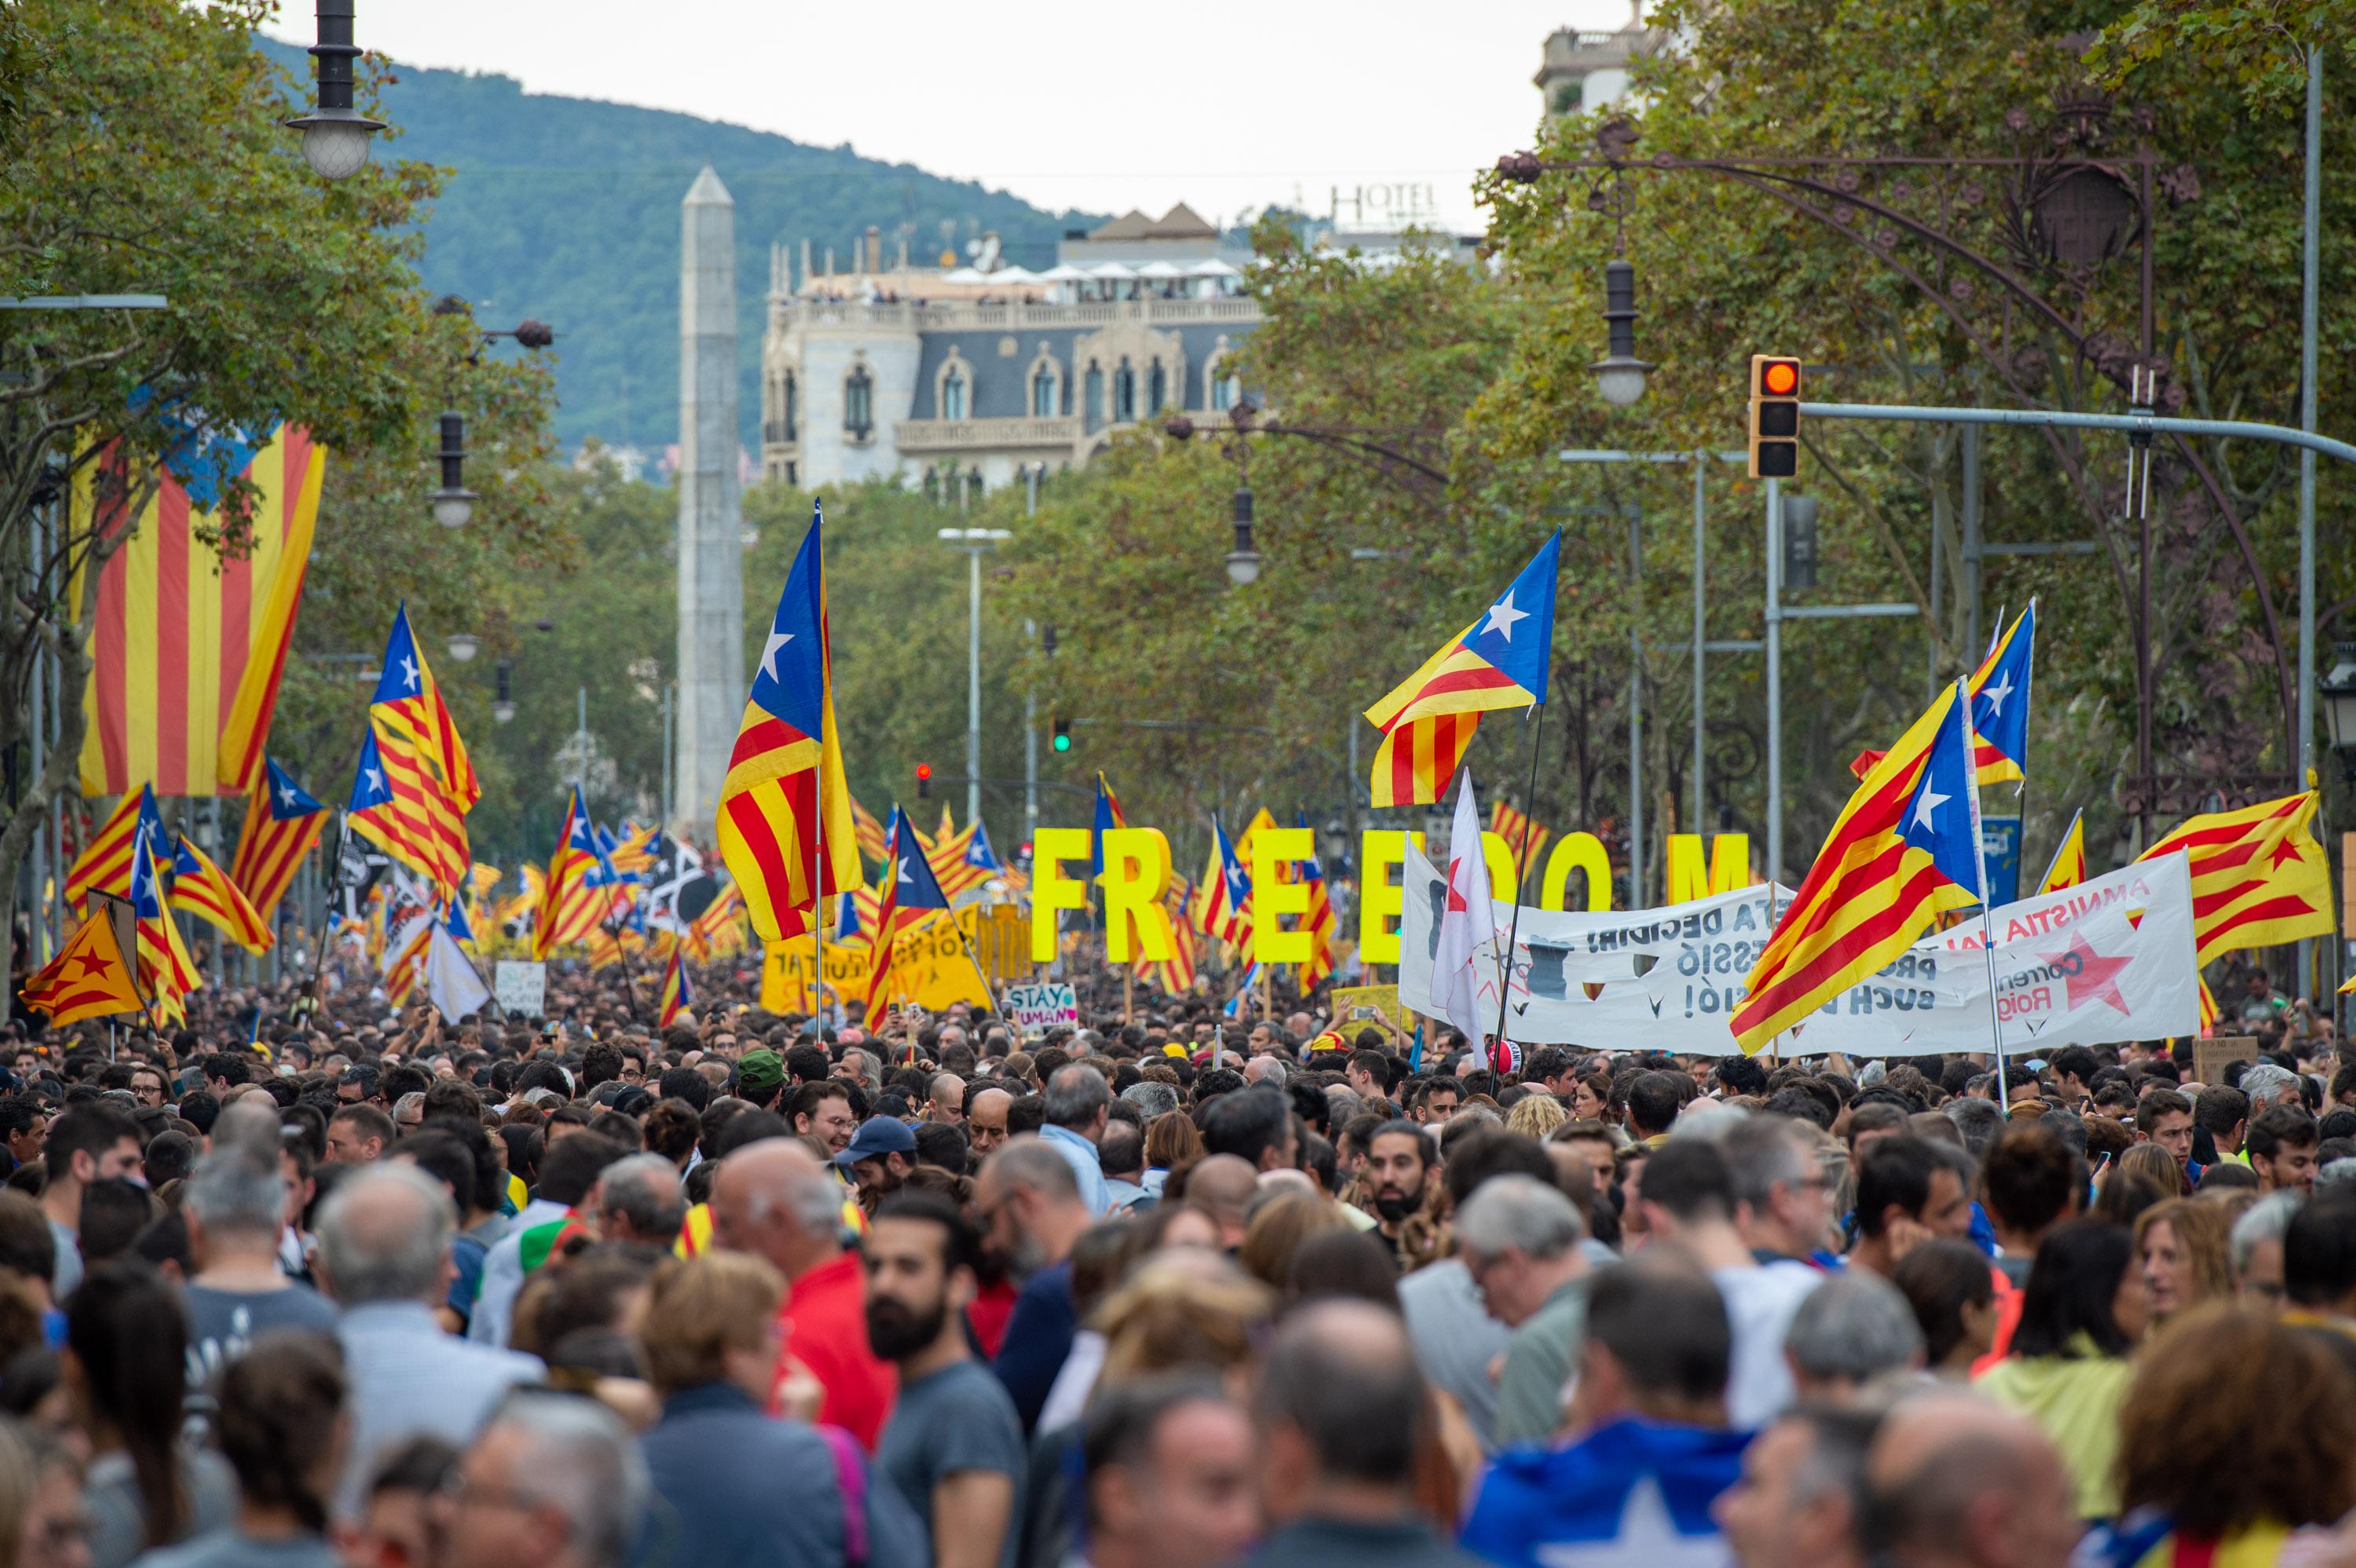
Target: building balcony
914, 437
776, 432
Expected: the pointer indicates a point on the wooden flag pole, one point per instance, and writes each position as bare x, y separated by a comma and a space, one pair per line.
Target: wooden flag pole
1127, 981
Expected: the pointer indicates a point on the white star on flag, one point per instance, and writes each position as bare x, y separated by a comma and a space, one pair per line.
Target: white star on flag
769, 654
375, 779
1502, 616
900, 871
1996, 694
1926, 805
408, 671
286, 795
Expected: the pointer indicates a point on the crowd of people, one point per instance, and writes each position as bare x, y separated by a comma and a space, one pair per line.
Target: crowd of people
310, 1284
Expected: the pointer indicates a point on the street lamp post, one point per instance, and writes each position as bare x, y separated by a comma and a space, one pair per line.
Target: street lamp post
975, 542
335, 136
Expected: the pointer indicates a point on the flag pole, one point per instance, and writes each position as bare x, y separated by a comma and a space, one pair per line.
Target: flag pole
1979, 867
1514, 927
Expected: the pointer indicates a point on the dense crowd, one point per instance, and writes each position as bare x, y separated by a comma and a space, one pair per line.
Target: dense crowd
307, 1283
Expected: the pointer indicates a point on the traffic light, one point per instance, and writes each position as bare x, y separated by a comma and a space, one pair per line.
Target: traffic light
1774, 417
924, 781
1063, 740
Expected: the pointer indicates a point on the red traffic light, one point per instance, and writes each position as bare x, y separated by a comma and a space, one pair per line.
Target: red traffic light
1778, 377
924, 772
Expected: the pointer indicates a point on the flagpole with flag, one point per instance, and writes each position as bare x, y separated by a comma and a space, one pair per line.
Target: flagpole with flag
1514, 921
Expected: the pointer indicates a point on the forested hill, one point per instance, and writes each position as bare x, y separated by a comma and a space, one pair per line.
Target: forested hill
567, 210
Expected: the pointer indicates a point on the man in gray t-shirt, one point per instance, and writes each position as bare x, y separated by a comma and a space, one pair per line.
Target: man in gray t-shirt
223, 1324
953, 1448
234, 1203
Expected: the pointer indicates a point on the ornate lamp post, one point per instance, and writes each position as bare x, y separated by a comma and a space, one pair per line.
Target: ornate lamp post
335, 136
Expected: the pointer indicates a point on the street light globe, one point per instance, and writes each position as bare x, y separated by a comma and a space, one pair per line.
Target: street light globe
454, 509
501, 712
1620, 379
1243, 567
463, 645
337, 149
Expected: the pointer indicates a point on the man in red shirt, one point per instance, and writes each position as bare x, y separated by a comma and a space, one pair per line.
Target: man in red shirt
775, 1200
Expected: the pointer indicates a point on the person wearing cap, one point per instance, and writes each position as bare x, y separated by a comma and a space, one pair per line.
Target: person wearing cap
760, 1077
881, 1154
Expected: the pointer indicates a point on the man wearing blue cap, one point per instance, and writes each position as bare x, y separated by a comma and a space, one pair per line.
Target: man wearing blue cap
878, 1158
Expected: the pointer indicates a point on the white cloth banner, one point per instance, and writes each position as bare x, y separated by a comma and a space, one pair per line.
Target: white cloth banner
451, 981
2107, 961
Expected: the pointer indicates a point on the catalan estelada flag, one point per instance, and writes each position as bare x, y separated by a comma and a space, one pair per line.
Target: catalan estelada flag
1319, 922
166, 970
88, 980
677, 995
189, 640
205, 891
1224, 907
2001, 701
911, 892
371, 812
570, 869
784, 789
1522, 835
2258, 876
105, 864
2069, 866
1498, 661
1905, 847
426, 767
1175, 974
719, 930
282, 823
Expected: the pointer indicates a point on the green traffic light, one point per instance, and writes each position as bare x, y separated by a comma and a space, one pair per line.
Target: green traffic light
1063, 742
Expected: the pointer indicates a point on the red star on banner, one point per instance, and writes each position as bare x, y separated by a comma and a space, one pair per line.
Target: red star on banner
2096, 979
2288, 849
91, 965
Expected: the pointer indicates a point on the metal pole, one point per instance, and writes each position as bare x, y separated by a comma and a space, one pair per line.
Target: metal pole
1774, 618
40, 911
1031, 472
669, 688
1700, 557
2310, 292
1972, 582
973, 692
1635, 711
212, 847
581, 740
2061, 418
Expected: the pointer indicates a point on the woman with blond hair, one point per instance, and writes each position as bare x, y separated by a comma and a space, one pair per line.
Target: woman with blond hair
1537, 1116
2181, 1247
736, 1488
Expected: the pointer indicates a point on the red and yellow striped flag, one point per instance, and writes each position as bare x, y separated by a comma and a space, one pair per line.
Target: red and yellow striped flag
2069, 868
105, 864
2258, 876
205, 891
1522, 835
282, 823
87, 979
871, 832
1867, 896
189, 643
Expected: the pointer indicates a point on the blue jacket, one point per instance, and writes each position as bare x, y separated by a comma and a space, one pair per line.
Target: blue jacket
1630, 1491
737, 1490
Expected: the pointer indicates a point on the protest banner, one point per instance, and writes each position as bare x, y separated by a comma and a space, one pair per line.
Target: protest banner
1355, 1005
1041, 1006
930, 967
520, 988
2106, 961
2211, 1057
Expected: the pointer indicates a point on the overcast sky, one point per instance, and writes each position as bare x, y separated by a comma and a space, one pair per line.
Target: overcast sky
1097, 107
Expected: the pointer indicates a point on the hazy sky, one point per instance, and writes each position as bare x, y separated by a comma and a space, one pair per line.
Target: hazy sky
1098, 106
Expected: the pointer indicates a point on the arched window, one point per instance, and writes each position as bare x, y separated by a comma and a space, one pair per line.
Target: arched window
859, 404
1224, 387
1124, 394
1092, 396
953, 397
1043, 393
793, 406
1157, 388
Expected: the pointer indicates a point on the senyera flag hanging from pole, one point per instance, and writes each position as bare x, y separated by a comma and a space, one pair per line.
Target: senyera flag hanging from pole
189, 642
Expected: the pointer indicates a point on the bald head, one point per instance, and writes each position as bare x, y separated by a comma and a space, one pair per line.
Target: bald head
1342, 1387
384, 1236
775, 1200
1953, 1478
1222, 1186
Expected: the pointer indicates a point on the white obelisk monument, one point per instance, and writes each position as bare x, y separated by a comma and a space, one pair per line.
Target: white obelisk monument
710, 552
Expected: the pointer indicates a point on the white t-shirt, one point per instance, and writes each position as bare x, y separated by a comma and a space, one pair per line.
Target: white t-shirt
1760, 1302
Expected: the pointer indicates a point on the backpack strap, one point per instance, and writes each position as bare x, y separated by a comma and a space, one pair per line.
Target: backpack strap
850, 1480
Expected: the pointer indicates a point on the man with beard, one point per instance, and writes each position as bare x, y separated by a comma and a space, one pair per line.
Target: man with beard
954, 1448
1398, 1176
878, 1158
1030, 1204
